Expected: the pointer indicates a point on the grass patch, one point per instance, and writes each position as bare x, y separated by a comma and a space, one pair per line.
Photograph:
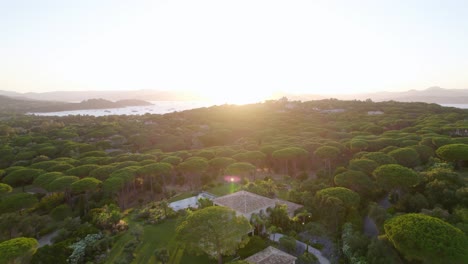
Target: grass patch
224, 189
118, 247
181, 196
154, 236
254, 245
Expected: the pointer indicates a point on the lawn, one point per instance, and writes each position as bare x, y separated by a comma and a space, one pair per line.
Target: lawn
181, 196
224, 189
163, 235
155, 236
118, 247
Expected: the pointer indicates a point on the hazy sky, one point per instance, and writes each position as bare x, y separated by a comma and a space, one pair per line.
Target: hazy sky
234, 47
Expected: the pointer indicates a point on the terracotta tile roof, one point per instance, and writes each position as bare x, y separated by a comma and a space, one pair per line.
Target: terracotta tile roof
271, 255
244, 202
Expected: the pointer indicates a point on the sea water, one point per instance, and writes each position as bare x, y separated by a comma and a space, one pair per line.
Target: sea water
158, 107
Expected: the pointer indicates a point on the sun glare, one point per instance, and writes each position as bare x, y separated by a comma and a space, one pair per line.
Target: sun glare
238, 97
232, 179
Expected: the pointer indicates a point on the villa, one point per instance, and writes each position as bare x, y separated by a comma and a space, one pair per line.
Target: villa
247, 203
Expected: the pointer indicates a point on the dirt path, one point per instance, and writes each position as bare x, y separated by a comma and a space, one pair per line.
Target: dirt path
47, 239
370, 228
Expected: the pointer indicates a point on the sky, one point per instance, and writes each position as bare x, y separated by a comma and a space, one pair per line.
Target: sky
233, 49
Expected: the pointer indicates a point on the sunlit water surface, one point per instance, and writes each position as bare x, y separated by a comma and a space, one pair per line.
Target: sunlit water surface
158, 107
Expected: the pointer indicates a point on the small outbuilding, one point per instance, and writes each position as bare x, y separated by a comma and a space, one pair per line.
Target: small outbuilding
271, 255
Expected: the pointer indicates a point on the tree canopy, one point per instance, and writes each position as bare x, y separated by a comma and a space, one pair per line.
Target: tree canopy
5, 188
392, 176
17, 201
21, 177
62, 183
380, 157
453, 152
45, 179
355, 180
220, 163
347, 196
327, 152
426, 238
240, 168
215, 230
87, 184
193, 165
407, 157
17, 250
365, 165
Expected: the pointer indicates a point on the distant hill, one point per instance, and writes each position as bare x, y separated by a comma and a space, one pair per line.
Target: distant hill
92, 104
18, 105
78, 96
431, 95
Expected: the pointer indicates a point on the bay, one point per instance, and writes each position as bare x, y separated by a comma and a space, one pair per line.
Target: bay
158, 107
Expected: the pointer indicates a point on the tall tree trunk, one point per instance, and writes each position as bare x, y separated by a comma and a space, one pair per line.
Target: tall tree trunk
294, 165
164, 185
86, 203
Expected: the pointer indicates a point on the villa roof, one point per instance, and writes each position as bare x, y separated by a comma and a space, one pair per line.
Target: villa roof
271, 255
244, 202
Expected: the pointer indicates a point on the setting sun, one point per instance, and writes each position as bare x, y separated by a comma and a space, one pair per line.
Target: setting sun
238, 96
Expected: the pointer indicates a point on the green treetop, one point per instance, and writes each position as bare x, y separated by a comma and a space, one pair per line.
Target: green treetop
215, 230
427, 239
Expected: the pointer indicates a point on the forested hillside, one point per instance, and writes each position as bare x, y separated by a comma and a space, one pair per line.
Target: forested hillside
10, 105
380, 182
